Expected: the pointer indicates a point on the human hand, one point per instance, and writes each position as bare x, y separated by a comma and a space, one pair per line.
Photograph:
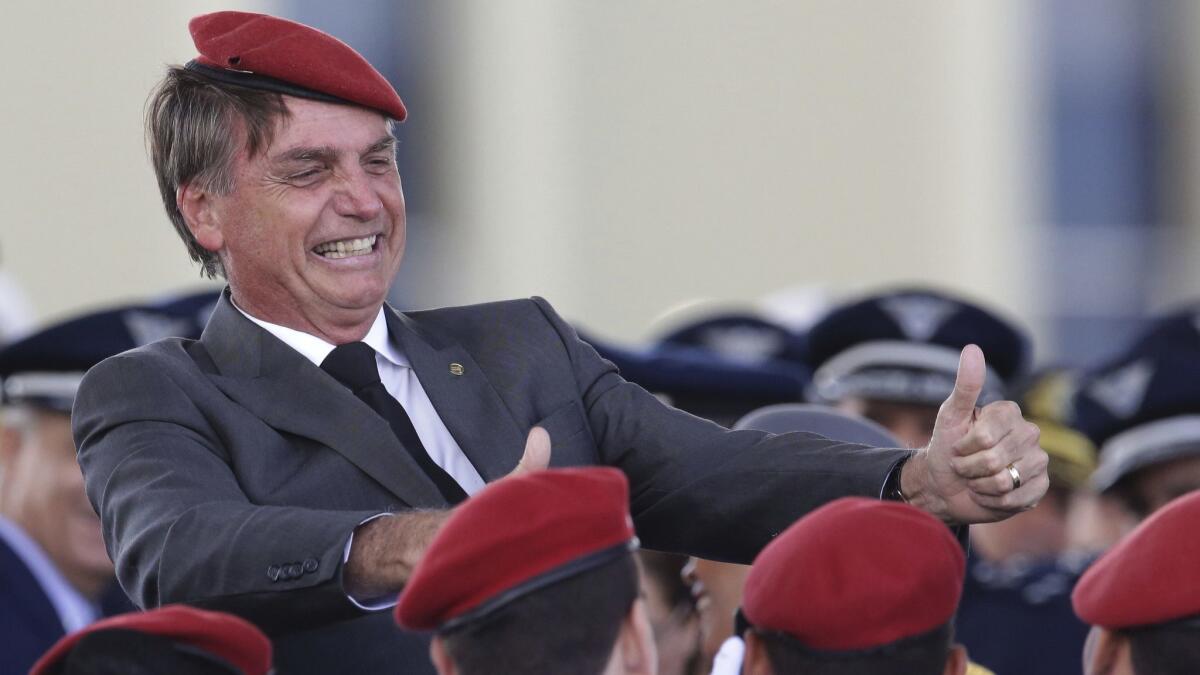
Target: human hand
963, 475
537, 452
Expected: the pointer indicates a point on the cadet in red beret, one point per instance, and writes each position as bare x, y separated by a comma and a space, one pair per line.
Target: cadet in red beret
535, 574
1142, 598
857, 587
176, 639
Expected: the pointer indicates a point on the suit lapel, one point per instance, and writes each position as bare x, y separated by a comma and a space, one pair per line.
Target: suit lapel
284, 389
465, 400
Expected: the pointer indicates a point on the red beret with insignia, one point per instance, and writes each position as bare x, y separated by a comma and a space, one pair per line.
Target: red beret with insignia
265, 52
234, 640
856, 574
514, 537
1150, 576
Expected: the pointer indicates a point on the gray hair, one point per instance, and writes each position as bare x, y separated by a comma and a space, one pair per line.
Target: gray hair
193, 128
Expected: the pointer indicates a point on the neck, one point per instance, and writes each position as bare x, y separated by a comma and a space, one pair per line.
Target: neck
336, 326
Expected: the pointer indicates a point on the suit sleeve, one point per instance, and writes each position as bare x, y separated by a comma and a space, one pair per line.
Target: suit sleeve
700, 489
178, 526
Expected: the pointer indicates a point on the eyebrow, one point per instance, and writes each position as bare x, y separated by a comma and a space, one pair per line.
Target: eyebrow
322, 153
325, 153
386, 143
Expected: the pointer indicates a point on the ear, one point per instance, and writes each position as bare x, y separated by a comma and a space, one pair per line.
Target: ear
198, 209
441, 658
1106, 653
635, 649
956, 661
755, 660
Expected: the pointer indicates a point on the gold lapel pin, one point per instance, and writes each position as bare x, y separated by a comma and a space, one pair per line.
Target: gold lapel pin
456, 369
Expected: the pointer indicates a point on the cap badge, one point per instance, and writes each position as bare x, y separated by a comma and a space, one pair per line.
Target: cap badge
1123, 391
145, 327
919, 316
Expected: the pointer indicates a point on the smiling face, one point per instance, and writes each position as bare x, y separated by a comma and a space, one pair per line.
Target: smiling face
312, 233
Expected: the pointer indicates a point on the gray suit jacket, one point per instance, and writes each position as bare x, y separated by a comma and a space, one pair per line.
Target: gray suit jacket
230, 471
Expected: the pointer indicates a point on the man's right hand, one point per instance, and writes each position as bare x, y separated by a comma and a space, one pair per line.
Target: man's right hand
386, 550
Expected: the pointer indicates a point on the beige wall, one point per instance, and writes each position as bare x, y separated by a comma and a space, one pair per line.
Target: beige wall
1180, 236
618, 157
82, 223
623, 157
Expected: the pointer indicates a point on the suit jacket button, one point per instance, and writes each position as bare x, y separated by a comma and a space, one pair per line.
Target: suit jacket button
273, 572
310, 565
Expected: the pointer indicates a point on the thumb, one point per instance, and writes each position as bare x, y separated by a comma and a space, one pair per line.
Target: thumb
972, 370
537, 452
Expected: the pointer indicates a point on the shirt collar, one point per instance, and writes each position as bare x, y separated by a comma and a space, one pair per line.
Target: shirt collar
315, 349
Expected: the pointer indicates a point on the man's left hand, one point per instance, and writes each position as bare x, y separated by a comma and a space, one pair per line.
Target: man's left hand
982, 464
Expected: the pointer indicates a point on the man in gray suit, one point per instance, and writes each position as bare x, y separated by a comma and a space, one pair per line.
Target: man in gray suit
291, 465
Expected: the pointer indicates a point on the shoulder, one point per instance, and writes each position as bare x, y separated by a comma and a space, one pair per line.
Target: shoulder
162, 358
142, 382
520, 323
518, 309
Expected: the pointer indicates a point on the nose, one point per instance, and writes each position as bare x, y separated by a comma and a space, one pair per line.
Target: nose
356, 196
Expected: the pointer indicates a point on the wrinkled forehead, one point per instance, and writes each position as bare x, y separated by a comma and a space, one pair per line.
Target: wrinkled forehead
305, 123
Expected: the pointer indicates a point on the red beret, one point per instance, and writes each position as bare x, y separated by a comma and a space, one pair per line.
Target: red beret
856, 574
266, 52
1150, 577
515, 536
232, 639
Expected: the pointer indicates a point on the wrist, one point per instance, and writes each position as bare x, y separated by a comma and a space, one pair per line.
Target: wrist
915, 485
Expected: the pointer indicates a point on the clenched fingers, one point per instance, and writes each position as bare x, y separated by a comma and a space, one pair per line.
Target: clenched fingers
994, 422
1001, 483
1020, 441
1022, 499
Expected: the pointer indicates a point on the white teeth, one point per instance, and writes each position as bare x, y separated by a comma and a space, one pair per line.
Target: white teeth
346, 248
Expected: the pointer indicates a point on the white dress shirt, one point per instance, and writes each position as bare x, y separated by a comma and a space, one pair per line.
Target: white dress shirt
401, 382
729, 657
74, 611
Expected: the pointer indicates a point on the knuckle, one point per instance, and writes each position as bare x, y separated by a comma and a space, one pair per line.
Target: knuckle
1033, 433
1043, 461
992, 463
986, 438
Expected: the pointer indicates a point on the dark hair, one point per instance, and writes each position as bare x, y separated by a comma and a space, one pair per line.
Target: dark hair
194, 127
568, 627
665, 571
924, 654
1166, 649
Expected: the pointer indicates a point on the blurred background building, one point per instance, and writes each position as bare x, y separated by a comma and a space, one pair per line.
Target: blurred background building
626, 158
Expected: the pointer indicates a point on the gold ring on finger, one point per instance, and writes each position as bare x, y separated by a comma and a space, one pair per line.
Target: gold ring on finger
1016, 476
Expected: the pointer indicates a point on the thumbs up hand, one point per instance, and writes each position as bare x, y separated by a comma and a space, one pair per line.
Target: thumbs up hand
982, 464
537, 452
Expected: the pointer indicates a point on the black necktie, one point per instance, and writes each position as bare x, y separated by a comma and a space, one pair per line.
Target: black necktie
353, 365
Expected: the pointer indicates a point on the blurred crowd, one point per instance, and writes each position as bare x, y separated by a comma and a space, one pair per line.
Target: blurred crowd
1123, 439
